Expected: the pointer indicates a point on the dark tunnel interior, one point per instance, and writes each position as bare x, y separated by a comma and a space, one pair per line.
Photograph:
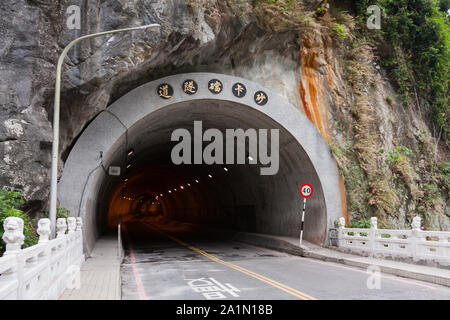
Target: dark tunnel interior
229, 196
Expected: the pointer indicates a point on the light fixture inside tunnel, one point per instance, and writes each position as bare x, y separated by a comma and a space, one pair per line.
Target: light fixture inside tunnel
130, 152
128, 165
181, 187
225, 168
196, 181
210, 176
188, 184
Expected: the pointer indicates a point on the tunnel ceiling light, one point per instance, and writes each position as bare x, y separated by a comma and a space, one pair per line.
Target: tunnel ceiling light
209, 176
175, 189
196, 181
128, 165
250, 158
161, 195
225, 168
170, 191
181, 187
188, 184
130, 152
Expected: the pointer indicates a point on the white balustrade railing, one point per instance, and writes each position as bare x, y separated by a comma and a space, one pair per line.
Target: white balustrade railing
415, 244
45, 270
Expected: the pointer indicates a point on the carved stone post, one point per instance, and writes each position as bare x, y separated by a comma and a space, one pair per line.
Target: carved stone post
341, 228
80, 238
44, 230
61, 227
72, 223
416, 236
79, 223
13, 235
372, 234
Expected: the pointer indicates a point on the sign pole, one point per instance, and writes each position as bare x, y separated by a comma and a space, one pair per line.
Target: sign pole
303, 220
306, 191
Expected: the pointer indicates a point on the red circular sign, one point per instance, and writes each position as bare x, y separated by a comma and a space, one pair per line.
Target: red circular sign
306, 190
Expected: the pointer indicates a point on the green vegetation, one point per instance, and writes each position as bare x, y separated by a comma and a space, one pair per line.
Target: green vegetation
397, 155
361, 223
60, 213
341, 30
418, 32
444, 172
9, 203
377, 190
283, 15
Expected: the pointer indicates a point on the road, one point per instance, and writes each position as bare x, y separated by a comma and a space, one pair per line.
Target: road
173, 263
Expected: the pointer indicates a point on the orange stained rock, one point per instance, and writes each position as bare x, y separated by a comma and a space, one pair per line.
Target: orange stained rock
311, 91
314, 104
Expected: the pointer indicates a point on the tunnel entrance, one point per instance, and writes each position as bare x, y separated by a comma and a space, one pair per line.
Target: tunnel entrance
134, 133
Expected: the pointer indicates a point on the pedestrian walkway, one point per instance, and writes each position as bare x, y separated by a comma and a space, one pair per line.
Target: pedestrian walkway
100, 274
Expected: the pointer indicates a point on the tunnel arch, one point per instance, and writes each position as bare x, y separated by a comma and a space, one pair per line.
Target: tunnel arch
142, 115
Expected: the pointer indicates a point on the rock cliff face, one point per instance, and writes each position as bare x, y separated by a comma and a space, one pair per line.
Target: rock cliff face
341, 89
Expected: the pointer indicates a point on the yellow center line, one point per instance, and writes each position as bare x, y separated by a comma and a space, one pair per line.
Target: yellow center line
255, 275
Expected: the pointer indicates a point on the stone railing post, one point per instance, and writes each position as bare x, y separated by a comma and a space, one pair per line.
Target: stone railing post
79, 236
72, 224
13, 237
372, 234
416, 235
44, 232
72, 240
61, 227
341, 228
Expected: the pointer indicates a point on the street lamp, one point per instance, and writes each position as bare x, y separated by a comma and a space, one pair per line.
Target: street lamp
55, 145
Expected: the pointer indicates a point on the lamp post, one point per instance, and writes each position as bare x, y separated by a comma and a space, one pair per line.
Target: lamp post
55, 144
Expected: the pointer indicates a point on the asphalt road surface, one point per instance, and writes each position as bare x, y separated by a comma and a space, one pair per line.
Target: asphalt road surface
167, 261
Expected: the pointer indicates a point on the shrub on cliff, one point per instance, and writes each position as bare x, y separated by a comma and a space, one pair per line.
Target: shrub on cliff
418, 31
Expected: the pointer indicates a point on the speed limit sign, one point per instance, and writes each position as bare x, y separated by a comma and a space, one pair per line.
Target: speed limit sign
306, 190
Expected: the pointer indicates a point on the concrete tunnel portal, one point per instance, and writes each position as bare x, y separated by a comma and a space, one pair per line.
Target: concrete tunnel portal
134, 133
